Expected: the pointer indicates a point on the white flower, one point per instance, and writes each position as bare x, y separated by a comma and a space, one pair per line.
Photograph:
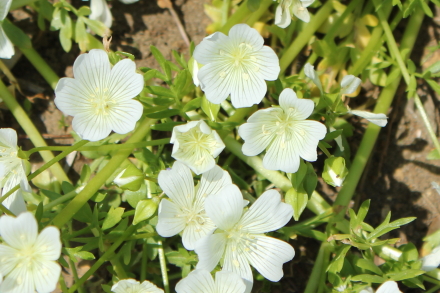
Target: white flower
28, 259
100, 97
133, 286
12, 171
186, 209
310, 72
349, 84
196, 145
236, 65
387, 287
240, 238
284, 11
432, 260
284, 132
379, 119
6, 47
201, 281
101, 12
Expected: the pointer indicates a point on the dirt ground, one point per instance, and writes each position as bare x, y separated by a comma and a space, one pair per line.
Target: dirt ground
398, 177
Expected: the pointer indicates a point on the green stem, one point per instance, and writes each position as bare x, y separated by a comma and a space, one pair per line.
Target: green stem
96, 182
60, 200
144, 262
106, 256
256, 15
304, 37
119, 268
163, 268
318, 270
40, 64
73, 268
19, 3
104, 148
31, 130
383, 103
238, 17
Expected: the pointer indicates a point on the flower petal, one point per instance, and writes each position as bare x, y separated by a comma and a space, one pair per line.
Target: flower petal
6, 46
194, 232
5, 5
266, 214
8, 258
212, 182
178, 184
101, 12
15, 202
379, 119
209, 49
229, 282
282, 156
8, 138
92, 70
209, 250
388, 287
282, 16
268, 63
124, 116
349, 84
247, 88
48, 243
198, 281
235, 261
71, 97
124, 82
19, 280
170, 222
300, 11
243, 33
46, 276
267, 256
19, 232
91, 127
300, 109
311, 73
226, 207
432, 260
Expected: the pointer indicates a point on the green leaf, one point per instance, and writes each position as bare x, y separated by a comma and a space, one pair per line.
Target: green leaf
113, 217
164, 114
332, 135
434, 85
144, 210
405, 274
84, 11
298, 200
96, 26
133, 197
368, 265
392, 75
311, 180
84, 214
426, 8
166, 126
409, 252
66, 34
253, 5
81, 34
50, 194
434, 68
210, 109
182, 84
192, 105
16, 35
160, 91
162, 62
334, 171
130, 178
368, 279
85, 255
433, 155
298, 177
85, 174
337, 263
398, 3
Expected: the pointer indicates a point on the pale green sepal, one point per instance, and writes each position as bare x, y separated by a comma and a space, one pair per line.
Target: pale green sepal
334, 171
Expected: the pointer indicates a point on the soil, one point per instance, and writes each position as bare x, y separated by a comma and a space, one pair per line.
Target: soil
398, 176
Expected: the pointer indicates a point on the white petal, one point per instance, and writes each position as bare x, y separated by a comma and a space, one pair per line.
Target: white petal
282, 16
5, 5
266, 214
235, 261
194, 232
300, 11
212, 182
379, 119
128, 1
124, 285
306, 144
300, 109
247, 89
125, 83
215, 79
432, 260
19, 232
178, 184
92, 70
48, 243
226, 207
71, 97
91, 127
149, 287
46, 278
20, 280
8, 138
311, 73
267, 256
255, 140
101, 12
306, 3
125, 115
198, 281
268, 62
349, 84
243, 33
282, 156
6, 46
209, 250
209, 49
229, 282
9, 259
170, 220
15, 202
388, 287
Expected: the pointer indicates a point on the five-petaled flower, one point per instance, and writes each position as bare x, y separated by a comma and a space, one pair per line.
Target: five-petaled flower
6, 47
196, 145
185, 211
236, 65
100, 97
133, 286
284, 11
28, 259
12, 171
284, 132
240, 238
201, 281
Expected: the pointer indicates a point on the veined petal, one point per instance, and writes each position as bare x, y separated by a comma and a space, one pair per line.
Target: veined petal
209, 250
91, 127
379, 119
247, 88
92, 70
8, 259
48, 243
170, 220
282, 16
266, 214
214, 80
209, 50
267, 256
46, 276
6, 46
101, 12
226, 207
5, 5
198, 281
229, 282
199, 161
256, 138
300, 11
268, 63
71, 97
196, 231
282, 156
124, 116
8, 138
298, 109
388, 287
19, 232
15, 202
212, 182
306, 145
243, 33
236, 261
125, 83
19, 280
